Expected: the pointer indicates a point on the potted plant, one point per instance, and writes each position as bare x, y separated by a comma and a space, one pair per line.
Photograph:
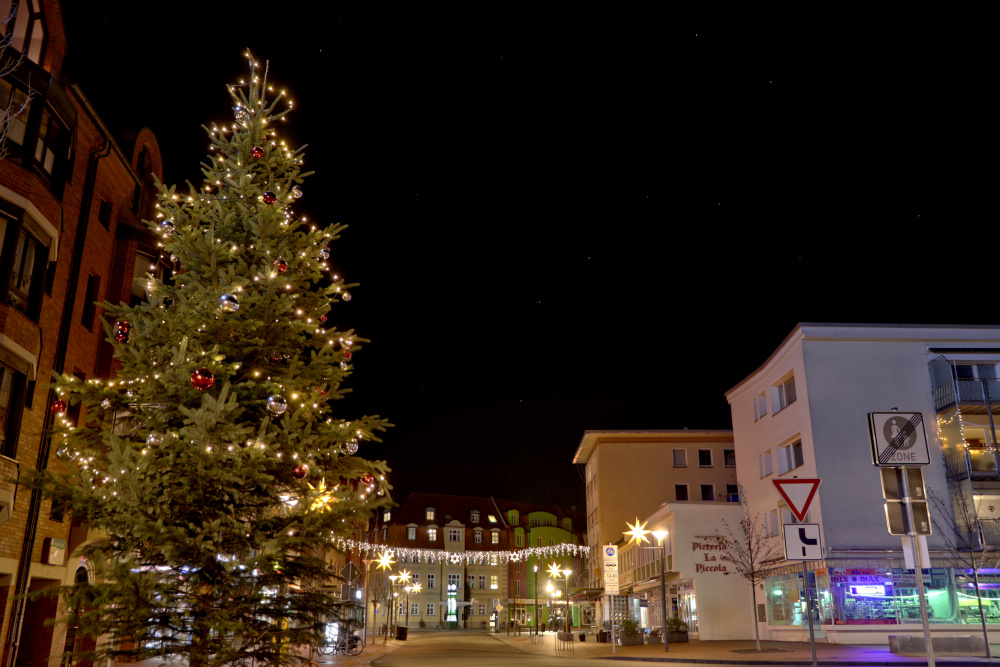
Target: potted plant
654, 635
631, 635
604, 636
677, 630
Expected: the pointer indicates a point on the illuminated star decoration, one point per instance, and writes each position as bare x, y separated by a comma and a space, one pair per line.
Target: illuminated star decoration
404, 577
417, 588
324, 499
638, 532
385, 560
555, 570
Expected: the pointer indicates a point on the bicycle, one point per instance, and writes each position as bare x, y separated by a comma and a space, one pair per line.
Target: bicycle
350, 645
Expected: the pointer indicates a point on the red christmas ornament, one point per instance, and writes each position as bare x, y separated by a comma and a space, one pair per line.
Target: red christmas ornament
59, 405
322, 318
368, 479
123, 325
281, 264
300, 471
202, 379
257, 152
270, 198
275, 357
322, 392
122, 336
347, 354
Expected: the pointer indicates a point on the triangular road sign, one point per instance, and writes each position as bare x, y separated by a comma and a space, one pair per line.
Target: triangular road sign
798, 493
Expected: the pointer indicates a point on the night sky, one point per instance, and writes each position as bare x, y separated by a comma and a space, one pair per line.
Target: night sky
585, 217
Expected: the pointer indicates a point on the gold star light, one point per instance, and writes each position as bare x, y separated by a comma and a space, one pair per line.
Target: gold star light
324, 499
417, 588
555, 570
638, 532
404, 577
385, 560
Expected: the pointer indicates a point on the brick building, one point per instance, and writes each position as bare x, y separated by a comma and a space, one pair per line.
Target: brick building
71, 201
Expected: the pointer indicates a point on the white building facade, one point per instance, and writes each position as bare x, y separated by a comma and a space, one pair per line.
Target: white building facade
803, 414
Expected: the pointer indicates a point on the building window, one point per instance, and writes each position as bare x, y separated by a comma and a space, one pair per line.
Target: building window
429, 609
517, 566
411, 533
402, 609
415, 577
482, 581
680, 458
104, 214
733, 493
705, 458
519, 540
12, 385
16, 100
477, 536
430, 580
680, 491
517, 588
430, 559
514, 519
472, 581
729, 456
474, 516
386, 517
494, 537
23, 254
759, 406
773, 528
454, 535
429, 514
783, 395
764, 462
454, 580
789, 457
494, 582
538, 541
29, 30
414, 608
491, 518
90, 301
707, 492
432, 534
482, 610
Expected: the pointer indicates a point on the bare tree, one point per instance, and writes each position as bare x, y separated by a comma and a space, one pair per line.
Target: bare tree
751, 551
957, 523
8, 64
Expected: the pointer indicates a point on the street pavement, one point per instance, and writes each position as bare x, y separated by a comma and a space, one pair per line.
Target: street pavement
477, 647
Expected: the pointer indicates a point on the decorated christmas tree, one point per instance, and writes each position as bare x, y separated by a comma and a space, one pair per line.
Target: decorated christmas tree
214, 462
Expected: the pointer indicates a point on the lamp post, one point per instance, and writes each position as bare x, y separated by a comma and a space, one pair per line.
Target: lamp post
566, 573
393, 612
638, 534
661, 535
536, 599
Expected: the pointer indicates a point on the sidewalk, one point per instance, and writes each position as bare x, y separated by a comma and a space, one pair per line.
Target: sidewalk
737, 652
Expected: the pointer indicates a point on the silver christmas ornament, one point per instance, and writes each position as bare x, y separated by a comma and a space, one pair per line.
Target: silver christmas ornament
352, 446
344, 365
296, 192
324, 253
276, 404
228, 303
106, 404
241, 114
346, 296
167, 226
154, 439
173, 258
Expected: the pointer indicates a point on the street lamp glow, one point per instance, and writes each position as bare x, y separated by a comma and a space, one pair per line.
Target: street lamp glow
659, 534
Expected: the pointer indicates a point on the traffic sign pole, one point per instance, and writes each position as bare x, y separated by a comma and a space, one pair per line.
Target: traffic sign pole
919, 562
798, 494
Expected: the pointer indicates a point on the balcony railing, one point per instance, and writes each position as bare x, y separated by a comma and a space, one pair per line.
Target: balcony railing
967, 392
978, 463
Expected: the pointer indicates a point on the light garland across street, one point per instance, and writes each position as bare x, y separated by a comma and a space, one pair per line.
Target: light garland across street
369, 550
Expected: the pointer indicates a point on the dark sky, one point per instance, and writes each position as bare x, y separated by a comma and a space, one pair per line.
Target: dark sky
589, 217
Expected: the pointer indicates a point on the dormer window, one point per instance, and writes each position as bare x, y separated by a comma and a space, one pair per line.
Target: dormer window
491, 518
474, 516
430, 513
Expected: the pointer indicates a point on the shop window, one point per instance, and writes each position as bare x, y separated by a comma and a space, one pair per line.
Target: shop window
680, 491
680, 458
883, 596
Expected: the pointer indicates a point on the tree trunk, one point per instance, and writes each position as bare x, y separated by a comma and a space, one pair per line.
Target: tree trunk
979, 599
756, 621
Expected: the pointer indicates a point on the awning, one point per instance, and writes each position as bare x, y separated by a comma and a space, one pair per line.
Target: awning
587, 594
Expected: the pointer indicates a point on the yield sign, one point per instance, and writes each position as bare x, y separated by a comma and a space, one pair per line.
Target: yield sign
798, 493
